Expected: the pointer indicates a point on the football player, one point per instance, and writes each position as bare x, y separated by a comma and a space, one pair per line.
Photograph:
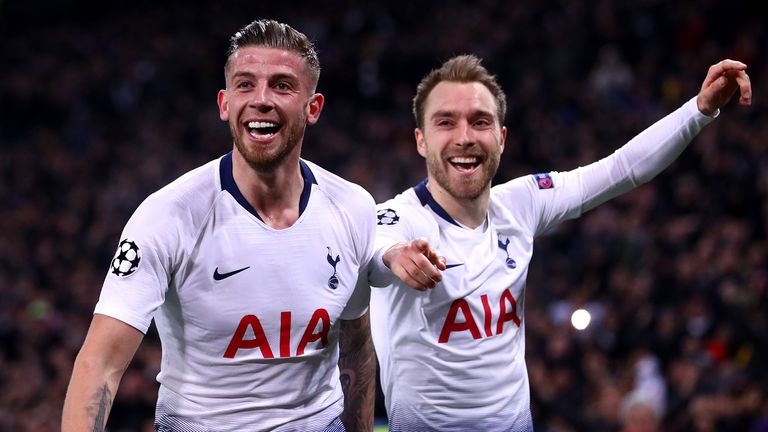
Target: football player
449, 330
248, 266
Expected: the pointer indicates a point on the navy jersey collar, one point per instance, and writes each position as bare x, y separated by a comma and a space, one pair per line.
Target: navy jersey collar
228, 184
425, 197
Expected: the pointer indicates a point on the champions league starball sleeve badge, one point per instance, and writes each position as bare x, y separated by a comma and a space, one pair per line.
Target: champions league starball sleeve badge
127, 259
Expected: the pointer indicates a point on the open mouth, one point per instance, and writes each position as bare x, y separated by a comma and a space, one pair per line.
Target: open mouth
262, 129
465, 163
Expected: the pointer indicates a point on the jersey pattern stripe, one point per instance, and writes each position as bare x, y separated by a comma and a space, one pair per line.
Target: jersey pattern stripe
408, 419
165, 422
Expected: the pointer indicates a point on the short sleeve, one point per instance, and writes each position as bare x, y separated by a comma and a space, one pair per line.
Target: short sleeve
140, 271
357, 305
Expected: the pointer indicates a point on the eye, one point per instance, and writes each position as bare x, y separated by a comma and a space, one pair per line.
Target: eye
443, 122
483, 122
283, 86
243, 85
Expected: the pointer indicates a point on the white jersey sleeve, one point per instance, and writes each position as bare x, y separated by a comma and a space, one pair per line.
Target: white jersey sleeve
150, 252
558, 196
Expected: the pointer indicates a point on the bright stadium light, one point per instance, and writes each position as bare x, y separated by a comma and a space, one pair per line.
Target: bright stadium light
580, 319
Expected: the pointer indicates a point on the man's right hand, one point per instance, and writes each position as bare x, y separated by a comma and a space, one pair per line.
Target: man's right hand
415, 263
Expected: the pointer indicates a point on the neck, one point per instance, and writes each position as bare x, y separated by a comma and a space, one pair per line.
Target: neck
469, 212
274, 194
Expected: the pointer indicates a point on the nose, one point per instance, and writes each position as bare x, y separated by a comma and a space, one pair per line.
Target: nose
261, 98
464, 136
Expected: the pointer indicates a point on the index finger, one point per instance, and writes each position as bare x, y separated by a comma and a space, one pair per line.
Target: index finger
428, 268
728, 65
719, 69
724, 66
435, 258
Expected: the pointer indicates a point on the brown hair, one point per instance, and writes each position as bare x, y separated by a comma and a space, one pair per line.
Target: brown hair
463, 69
272, 34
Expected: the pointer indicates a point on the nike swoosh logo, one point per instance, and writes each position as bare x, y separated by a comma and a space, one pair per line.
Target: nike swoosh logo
221, 276
447, 266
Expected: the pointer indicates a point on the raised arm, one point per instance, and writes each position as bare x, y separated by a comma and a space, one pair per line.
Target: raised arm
357, 364
108, 349
655, 148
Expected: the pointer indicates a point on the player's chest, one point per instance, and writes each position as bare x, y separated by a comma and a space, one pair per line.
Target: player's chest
259, 270
483, 288
491, 261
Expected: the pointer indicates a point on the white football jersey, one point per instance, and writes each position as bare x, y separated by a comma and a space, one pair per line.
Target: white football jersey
247, 315
452, 358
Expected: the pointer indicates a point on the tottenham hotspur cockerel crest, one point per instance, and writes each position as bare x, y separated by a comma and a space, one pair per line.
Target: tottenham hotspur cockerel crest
333, 281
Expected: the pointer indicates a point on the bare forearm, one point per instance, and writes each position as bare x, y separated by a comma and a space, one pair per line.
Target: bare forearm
89, 399
106, 353
357, 363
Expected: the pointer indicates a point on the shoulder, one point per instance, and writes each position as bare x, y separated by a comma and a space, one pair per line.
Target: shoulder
404, 203
523, 184
530, 186
520, 197
406, 214
186, 200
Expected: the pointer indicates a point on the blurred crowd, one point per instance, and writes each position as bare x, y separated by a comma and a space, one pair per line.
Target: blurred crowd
101, 108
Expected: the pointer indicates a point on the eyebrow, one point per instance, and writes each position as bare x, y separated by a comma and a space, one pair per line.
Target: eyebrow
240, 74
452, 114
438, 114
281, 76
277, 76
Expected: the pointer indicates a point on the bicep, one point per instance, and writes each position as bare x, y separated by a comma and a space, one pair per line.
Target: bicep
110, 344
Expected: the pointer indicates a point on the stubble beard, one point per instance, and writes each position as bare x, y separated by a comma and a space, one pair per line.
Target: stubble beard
468, 188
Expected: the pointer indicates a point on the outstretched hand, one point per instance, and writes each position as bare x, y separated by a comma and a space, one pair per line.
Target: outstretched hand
722, 82
415, 263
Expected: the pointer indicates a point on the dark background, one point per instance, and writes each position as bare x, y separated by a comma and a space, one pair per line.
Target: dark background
102, 104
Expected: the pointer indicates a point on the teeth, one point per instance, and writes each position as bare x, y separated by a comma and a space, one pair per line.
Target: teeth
254, 133
463, 160
256, 124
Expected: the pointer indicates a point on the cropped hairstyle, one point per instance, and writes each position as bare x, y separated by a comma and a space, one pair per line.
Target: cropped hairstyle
461, 69
272, 34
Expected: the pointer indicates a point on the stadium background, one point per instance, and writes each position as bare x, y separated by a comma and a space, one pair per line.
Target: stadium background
101, 104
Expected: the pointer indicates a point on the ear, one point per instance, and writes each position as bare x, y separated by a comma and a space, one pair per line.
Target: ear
421, 143
221, 99
503, 138
314, 107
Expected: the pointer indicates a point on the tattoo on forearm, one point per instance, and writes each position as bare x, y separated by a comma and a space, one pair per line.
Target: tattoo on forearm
357, 364
99, 409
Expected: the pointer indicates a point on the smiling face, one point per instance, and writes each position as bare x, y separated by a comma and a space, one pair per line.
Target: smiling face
462, 139
268, 102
